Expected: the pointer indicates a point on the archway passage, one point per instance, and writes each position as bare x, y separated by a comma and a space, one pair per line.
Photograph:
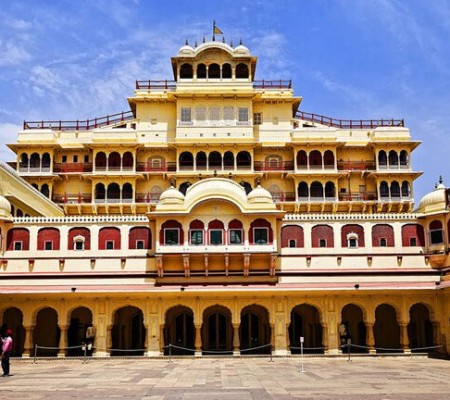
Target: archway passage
80, 320
128, 332
179, 330
254, 330
305, 322
46, 333
217, 331
13, 319
420, 329
355, 329
386, 330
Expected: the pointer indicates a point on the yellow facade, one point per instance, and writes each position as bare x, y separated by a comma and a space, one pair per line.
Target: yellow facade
216, 217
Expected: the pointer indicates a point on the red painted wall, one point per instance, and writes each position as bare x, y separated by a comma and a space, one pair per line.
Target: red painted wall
322, 232
358, 229
140, 233
413, 231
109, 234
16, 235
85, 232
382, 231
292, 232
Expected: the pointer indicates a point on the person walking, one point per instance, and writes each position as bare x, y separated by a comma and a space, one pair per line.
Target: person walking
7, 346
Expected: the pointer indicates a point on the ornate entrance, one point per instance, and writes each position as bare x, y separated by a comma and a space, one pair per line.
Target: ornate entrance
217, 330
179, 331
305, 322
80, 320
128, 332
254, 330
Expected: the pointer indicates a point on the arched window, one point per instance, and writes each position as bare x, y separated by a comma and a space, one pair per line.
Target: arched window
276, 193
226, 71
322, 236
436, 232
109, 239
127, 161
303, 192
214, 71
404, 158
100, 161
216, 232
315, 159
196, 233
406, 190
242, 71
352, 236
139, 238
215, 160
18, 239
113, 192
45, 190
302, 159
79, 239
382, 158
35, 161
316, 190
184, 187
201, 71
228, 160
48, 239
393, 158
413, 235
99, 192
46, 161
171, 233
186, 71
395, 189
23, 161
114, 161
35, 185
384, 189
382, 235
235, 232
260, 232
328, 159
330, 191
244, 160
186, 160
127, 192
201, 160
292, 236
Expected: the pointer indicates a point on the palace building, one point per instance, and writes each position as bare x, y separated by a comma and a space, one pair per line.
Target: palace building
218, 218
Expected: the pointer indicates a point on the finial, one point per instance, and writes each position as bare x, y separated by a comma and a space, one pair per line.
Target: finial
172, 182
440, 179
435, 185
240, 42
187, 42
223, 39
258, 181
195, 44
204, 40
231, 43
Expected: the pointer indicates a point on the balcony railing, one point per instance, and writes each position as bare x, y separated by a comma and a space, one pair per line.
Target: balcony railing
67, 168
156, 167
273, 84
283, 197
315, 167
362, 196
27, 168
394, 166
274, 165
157, 85
316, 199
348, 123
80, 125
187, 166
72, 198
395, 198
356, 165
147, 197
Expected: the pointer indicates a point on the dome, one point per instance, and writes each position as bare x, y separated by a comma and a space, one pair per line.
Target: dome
241, 49
434, 201
186, 50
259, 195
5, 208
171, 196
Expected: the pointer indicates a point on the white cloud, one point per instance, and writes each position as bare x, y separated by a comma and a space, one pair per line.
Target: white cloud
8, 133
12, 54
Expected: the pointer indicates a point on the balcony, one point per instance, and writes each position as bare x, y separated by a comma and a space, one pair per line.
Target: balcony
316, 199
273, 166
156, 167
72, 198
400, 166
273, 84
395, 198
213, 168
361, 196
315, 167
356, 165
152, 198
105, 168
68, 168
26, 169
283, 197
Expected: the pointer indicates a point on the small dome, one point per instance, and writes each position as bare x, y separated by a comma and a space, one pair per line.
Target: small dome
5, 208
434, 201
241, 49
259, 195
171, 196
186, 50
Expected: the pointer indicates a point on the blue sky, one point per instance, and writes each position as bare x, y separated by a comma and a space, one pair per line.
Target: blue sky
350, 59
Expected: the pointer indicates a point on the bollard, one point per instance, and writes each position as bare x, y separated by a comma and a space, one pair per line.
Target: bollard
302, 339
349, 345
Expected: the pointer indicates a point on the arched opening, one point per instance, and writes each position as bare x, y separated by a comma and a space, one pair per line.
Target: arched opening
99, 192
353, 328
382, 158
322, 236
127, 192
228, 160
404, 158
393, 158
179, 331
247, 187
127, 161
45, 190
315, 159
226, 71
35, 161
18, 239
406, 190
23, 161
184, 187
242, 71
384, 190
113, 193
302, 159
139, 238
303, 191
186, 71
79, 239
36, 186
386, 329
215, 160
413, 235
196, 233
186, 161
13, 319
316, 190
45, 162
217, 331
436, 232
114, 161
80, 320
235, 232
216, 233
395, 190
48, 239
254, 330
201, 160
305, 322
128, 332
382, 235
352, 235
100, 161
292, 236
330, 191
260, 232
328, 159
201, 71
243, 160
420, 329
109, 238
171, 233
214, 71
46, 333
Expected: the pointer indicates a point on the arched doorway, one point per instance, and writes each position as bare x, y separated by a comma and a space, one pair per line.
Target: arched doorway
80, 320
420, 328
386, 329
128, 332
46, 333
13, 319
217, 332
305, 322
355, 329
254, 330
179, 330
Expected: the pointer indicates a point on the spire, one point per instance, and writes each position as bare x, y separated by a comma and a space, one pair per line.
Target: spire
187, 42
223, 39
195, 44
231, 43
204, 40
441, 181
240, 41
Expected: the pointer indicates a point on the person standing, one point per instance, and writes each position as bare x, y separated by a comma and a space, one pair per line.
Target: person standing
7, 346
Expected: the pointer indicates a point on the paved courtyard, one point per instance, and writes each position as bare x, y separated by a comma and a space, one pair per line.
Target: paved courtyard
230, 379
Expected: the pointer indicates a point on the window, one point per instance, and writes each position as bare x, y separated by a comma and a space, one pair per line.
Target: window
196, 236
200, 114
261, 235
413, 242
322, 242
383, 242
215, 236
18, 245
353, 242
243, 115
75, 158
109, 245
235, 236
228, 113
140, 244
48, 245
171, 236
214, 113
64, 159
86, 158
257, 118
79, 245
292, 243
186, 115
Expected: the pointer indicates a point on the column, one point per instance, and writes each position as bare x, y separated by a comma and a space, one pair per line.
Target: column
370, 339
325, 337
198, 339
272, 338
288, 340
236, 341
62, 341
108, 339
404, 340
436, 334
28, 350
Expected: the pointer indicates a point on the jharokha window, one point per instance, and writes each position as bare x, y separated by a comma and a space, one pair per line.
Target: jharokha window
171, 236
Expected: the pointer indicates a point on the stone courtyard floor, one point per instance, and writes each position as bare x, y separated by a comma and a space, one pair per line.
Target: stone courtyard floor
229, 379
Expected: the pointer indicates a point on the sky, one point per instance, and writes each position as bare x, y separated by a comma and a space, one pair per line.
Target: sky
349, 59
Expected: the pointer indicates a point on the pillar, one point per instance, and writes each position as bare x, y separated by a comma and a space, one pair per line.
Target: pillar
236, 341
370, 339
152, 338
288, 340
325, 337
272, 337
62, 341
108, 340
28, 350
198, 339
404, 339
161, 338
